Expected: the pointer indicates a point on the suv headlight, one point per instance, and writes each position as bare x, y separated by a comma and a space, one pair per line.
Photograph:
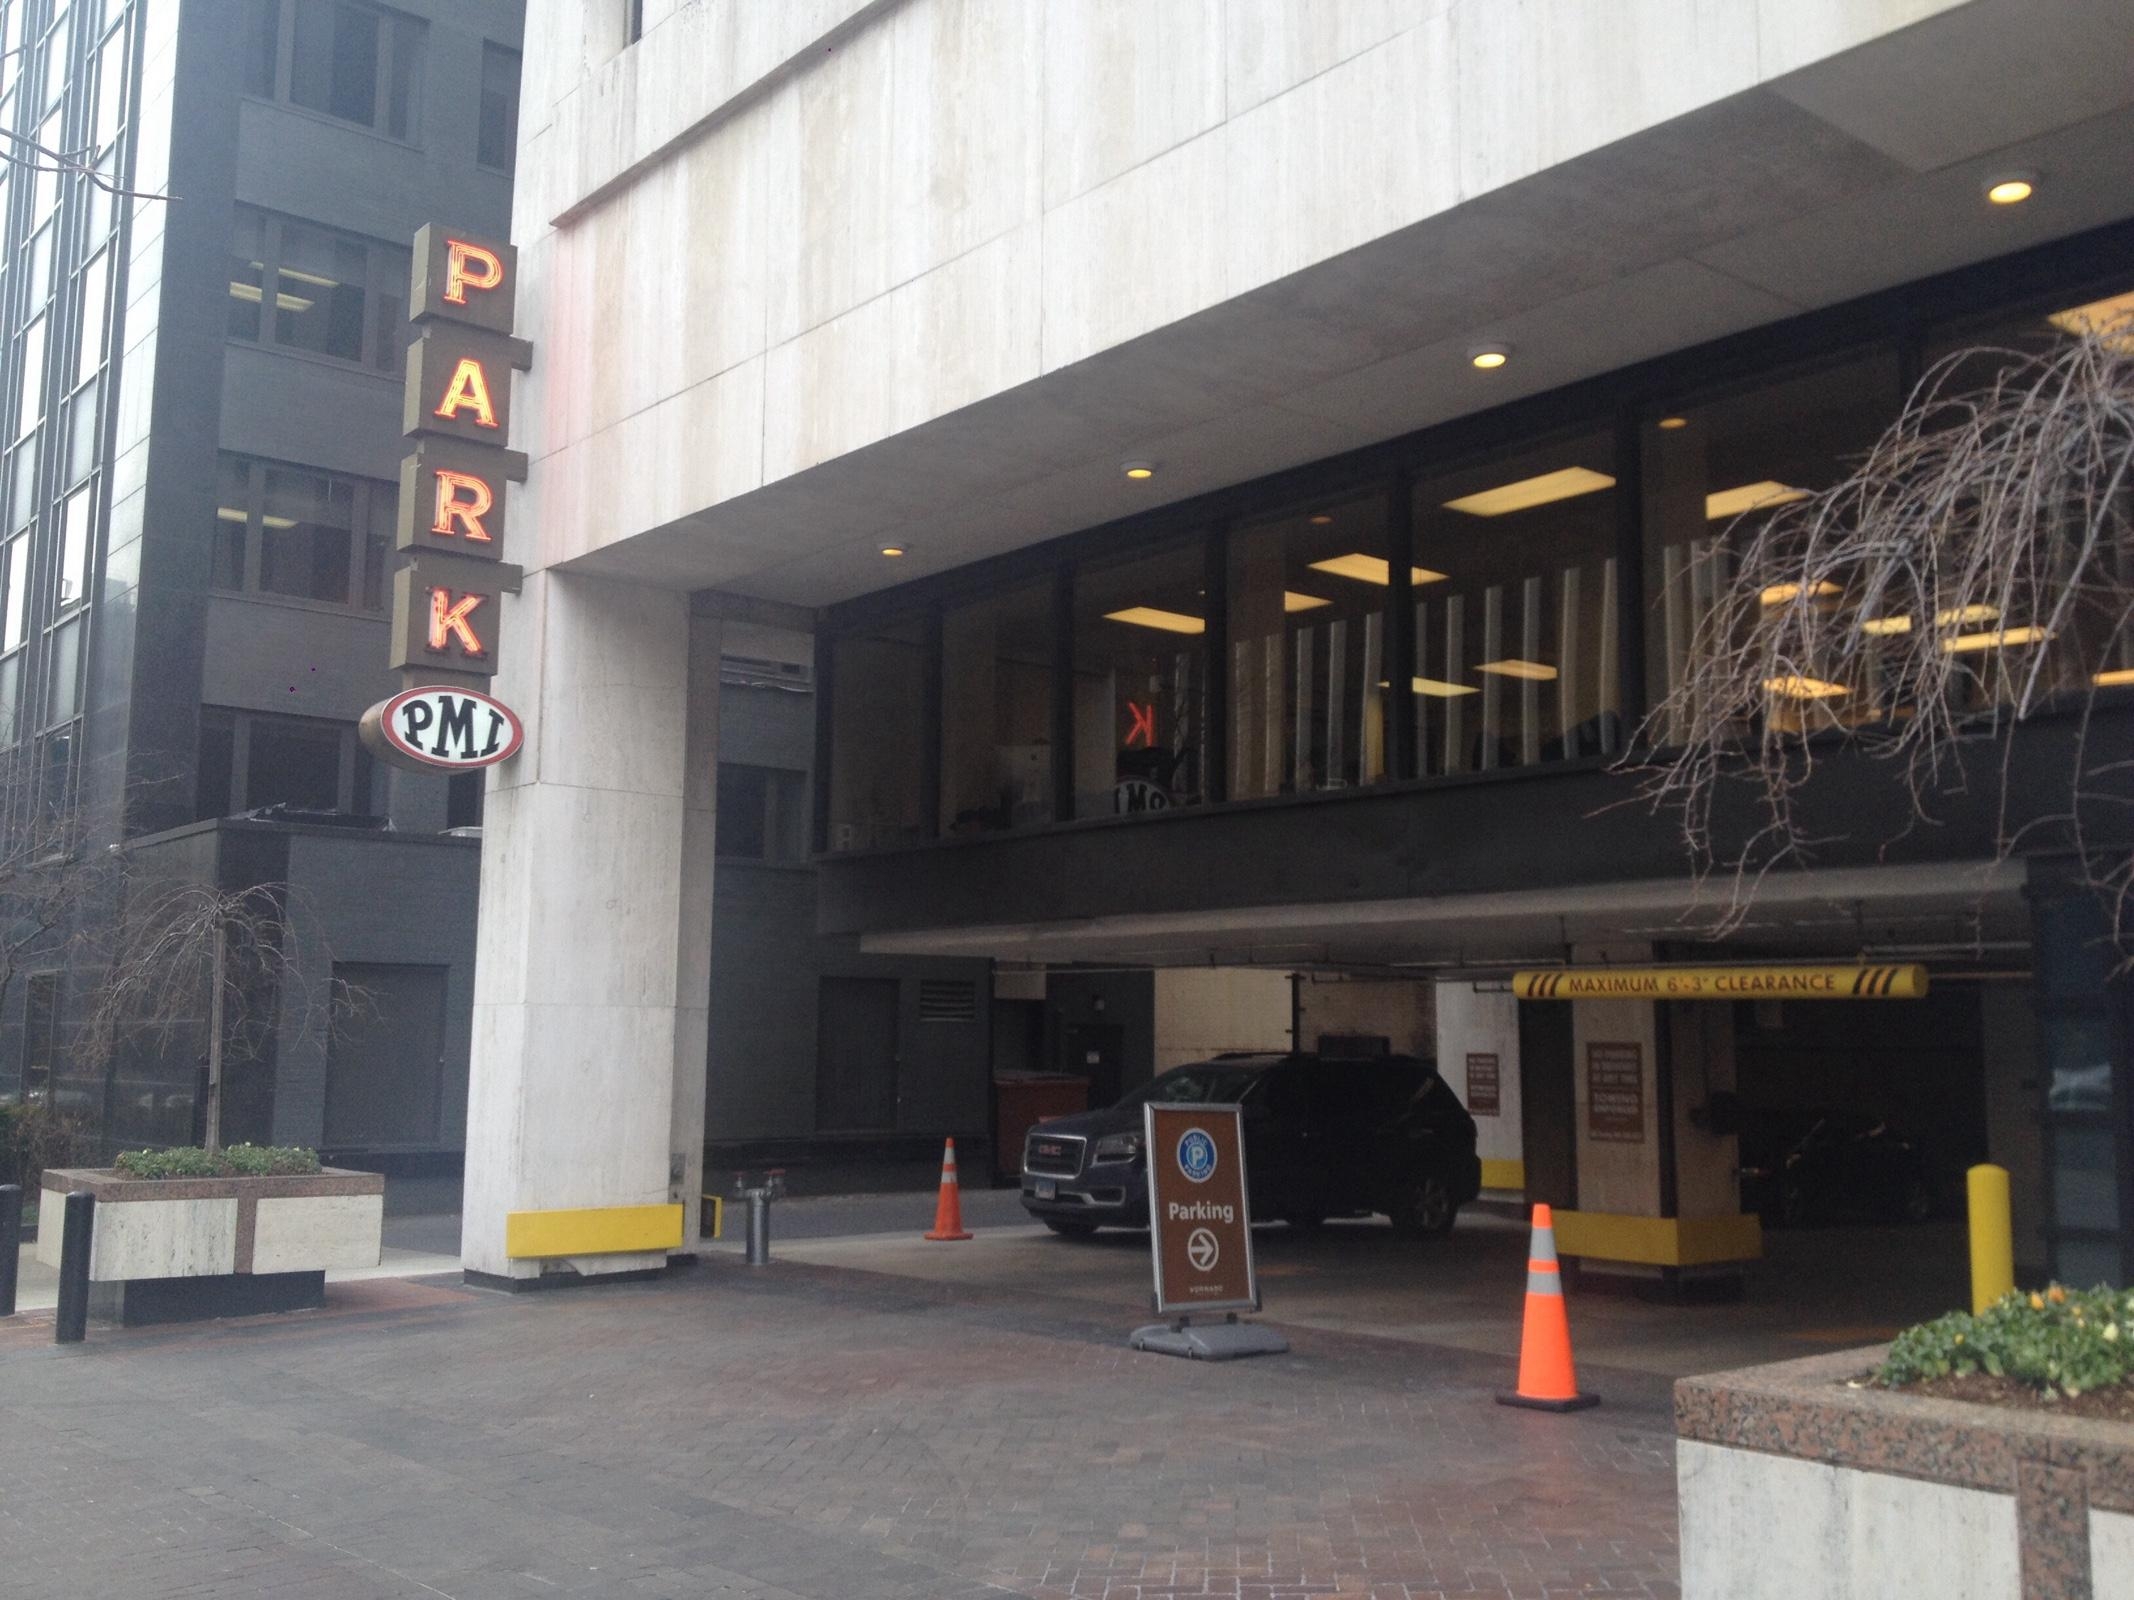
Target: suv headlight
1118, 1147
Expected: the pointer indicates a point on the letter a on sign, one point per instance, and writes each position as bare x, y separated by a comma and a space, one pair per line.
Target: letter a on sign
468, 390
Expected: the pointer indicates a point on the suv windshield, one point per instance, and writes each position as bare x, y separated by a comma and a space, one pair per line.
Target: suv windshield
1210, 1083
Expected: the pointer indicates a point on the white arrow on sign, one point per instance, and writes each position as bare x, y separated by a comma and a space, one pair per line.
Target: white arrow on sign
1202, 1250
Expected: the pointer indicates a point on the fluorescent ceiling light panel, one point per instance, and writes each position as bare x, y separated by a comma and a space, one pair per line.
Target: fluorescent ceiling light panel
1153, 617
1293, 601
307, 277
1798, 688
1750, 497
1954, 617
1513, 667
2117, 678
1439, 689
1564, 484
1781, 593
1995, 639
228, 514
1373, 569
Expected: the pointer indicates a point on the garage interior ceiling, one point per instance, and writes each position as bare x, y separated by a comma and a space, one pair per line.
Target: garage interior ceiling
1856, 174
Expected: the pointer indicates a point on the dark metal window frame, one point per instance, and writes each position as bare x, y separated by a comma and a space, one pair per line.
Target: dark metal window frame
362, 503
385, 273
1622, 401
381, 94
241, 724
492, 51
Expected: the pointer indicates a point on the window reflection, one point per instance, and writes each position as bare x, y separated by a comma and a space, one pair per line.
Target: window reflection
309, 288
309, 535
1308, 649
1516, 630
1140, 669
877, 707
996, 712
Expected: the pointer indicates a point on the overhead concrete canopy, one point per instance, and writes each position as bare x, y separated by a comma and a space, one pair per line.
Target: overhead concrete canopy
1958, 912
808, 278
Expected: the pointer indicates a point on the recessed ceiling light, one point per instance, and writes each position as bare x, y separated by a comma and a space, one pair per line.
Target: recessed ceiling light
1322, 519
1513, 667
1799, 688
1373, 569
1670, 424
1955, 616
1154, 617
1489, 356
893, 550
2011, 188
1750, 497
1138, 470
1293, 601
1524, 495
2116, 678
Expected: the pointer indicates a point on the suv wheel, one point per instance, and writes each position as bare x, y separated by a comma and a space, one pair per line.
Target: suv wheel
1425, 1209
1072, 1230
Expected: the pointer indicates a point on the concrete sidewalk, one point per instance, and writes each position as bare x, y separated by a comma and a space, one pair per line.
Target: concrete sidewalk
802, 1432
37, 1289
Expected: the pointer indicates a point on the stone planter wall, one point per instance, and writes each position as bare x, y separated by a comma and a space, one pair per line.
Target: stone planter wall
240, 1244
1793, 1485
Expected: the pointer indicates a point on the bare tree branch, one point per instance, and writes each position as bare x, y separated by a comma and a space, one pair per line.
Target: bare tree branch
1975, 570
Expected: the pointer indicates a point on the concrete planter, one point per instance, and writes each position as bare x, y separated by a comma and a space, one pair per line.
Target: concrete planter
178, 1249
1793, 1485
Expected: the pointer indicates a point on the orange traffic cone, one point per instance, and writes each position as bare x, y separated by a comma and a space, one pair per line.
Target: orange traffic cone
948, 1210
1547, 1379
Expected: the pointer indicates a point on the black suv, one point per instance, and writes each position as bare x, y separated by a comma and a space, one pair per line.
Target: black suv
1324, 1137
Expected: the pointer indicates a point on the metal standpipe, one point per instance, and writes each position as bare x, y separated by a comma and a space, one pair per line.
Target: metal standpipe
10, 1244
73, 1321
759, 1198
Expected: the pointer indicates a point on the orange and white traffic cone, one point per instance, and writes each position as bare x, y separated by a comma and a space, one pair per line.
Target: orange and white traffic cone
948, 1210
1547, 1379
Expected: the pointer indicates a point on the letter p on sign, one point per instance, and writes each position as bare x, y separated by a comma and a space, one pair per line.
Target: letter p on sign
470, 266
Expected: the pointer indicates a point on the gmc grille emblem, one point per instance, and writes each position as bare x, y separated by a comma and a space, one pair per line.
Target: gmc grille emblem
1048, 1150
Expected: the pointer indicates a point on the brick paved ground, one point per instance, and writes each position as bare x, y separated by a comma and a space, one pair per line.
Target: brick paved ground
799, 1431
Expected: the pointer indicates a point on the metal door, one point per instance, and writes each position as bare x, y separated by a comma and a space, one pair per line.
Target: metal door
856, 1055
385, 1067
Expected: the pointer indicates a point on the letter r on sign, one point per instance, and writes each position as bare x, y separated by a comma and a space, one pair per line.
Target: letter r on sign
462, 499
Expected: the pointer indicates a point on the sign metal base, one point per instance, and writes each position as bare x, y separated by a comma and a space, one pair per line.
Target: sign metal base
1227, 1340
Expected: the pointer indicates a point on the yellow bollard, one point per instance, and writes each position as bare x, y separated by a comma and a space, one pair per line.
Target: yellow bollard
1992, 1236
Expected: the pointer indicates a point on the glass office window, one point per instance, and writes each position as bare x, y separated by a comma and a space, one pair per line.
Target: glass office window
308, 535
77, 530
1715, 469
293, 763
877, 712
29, 394
359, 63
1516, 623
2062, 627
331, 294
496, 141
95, 313
1308, 649
1140, 683
306, 524
996, 712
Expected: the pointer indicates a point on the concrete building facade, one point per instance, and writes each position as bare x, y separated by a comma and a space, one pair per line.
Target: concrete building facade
1064, 361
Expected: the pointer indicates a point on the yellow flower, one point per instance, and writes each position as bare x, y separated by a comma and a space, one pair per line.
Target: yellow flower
2057, 1295
2111, 1332
2037, 1301
1959, 1338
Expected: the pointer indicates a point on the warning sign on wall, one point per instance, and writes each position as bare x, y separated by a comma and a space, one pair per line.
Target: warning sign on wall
1484, 1086
1615, 1092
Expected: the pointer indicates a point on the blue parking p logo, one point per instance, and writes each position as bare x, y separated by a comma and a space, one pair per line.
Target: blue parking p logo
1196, 1155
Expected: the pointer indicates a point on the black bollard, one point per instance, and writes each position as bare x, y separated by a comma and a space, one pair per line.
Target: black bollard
73, 1323
10, 1244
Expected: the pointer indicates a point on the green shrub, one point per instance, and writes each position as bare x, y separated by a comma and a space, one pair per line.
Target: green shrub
2059, 1341
237, 1161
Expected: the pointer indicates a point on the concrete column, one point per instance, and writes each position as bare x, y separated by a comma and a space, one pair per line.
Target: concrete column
586, 1092
1476, 1031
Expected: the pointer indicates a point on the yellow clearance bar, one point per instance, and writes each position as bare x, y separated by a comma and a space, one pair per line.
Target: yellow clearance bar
1723, 983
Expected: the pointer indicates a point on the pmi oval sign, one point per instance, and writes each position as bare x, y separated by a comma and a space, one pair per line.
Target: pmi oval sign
454, 729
